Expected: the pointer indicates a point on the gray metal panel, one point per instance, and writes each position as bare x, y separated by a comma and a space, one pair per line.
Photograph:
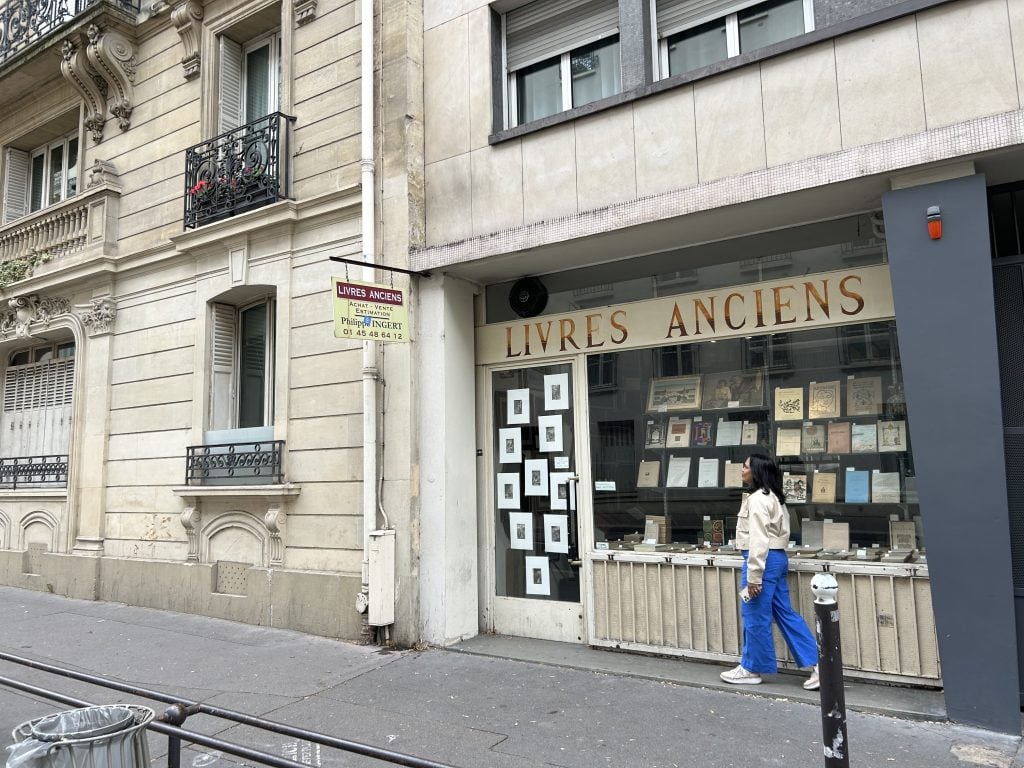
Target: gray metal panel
942, 292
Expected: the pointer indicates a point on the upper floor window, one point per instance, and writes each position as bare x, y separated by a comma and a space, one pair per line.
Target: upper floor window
242, 365
560, 54
695, 33
250, 76
40, 169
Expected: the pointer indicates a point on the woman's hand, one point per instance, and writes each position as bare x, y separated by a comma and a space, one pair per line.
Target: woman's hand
753, 590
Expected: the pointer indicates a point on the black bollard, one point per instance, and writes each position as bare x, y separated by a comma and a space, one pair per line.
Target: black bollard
830, 671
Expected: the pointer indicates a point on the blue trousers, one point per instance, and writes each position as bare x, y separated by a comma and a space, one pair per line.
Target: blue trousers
773, 603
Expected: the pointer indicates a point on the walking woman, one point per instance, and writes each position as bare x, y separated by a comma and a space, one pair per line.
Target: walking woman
762, 534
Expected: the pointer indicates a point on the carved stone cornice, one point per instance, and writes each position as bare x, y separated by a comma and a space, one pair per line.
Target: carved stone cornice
28, 311
305, 11
188, 20
98, 315
101, 172
91, 87
113, 56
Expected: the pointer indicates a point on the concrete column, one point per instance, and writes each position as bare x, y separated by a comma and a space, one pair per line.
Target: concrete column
635, 43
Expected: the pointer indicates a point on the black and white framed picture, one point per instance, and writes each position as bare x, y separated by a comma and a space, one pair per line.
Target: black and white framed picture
549, 433
536, 477
520, 525
510, 445
538, 576
556, 392
508, 490
518, 411
556, 533
563, 492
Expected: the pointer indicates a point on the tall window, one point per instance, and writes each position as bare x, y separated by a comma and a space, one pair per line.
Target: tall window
242, 365
41, 176
249, 79
560, 54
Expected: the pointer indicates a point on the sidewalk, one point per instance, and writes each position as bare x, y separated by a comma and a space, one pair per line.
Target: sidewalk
491, 702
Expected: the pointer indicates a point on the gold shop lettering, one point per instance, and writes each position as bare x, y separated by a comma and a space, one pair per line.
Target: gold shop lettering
563, 334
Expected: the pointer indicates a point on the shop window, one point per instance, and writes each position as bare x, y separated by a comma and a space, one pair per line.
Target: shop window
601, 372
242, 365
768, 351
1006, 220
676, 361
560, 54
41, 168
695, 34
870, 344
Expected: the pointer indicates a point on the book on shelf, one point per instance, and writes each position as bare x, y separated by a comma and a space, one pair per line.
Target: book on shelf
655, 434
662, 527
857, 486
703, 432
864, 438
839, 437
823, 400
811, 533
864, 396
678, 472
902, 535
733, 474
648, 474
678, 435
789, 403
795, 488
712, 531
823, 487
749, 433
813, 438
910, 489
707, 473
729, 432
835, 537
787, 441
885, 487
892, 436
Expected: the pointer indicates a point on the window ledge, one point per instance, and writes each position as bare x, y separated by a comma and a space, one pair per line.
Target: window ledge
34, 494
906, 8
270, 492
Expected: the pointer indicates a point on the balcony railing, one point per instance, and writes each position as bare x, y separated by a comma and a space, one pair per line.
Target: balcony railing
235, 463
21, 471
237, 171
26, 22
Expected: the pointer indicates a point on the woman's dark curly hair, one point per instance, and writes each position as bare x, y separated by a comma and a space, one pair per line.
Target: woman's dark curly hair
766, 475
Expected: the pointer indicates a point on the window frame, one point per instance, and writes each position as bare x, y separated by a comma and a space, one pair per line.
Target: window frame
225, 407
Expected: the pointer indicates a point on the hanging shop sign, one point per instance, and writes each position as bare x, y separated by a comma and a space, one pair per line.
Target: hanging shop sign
809, 301
369, 312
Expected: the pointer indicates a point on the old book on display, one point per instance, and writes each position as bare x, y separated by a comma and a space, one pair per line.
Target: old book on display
823, 488
864, 396
892, 436
648, 474
789, 403
864, 438
707, 473
795, 488
678, 472
655, 435
787, 441
885, 487
678, 435
729, 432
749, 434
733, 474
835, 537
857, 486
811, 534
703, 432
823, 400
839, 437
662, 527
813, 438
902, 534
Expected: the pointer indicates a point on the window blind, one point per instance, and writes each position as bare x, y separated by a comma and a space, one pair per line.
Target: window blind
230, 101
677, 15
547, 28
15, 184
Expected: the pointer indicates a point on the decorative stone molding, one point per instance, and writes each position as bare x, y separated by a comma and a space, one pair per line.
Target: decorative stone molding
188, 18
191, 518
113, 56
28, 311
98, 315
274, 521
305, 11
101, 172
77, 70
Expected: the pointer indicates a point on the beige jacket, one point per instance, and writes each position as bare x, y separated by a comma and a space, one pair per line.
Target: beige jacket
763, 524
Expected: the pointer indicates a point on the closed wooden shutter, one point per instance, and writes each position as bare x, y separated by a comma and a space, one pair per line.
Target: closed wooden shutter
547, 28
37, 401
677, 15
15, 184
223, 332
230, 84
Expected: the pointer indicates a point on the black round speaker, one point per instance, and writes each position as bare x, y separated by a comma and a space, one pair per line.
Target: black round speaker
528, 297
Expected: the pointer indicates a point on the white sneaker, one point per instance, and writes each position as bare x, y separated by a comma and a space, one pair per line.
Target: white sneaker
812, 683
741, 676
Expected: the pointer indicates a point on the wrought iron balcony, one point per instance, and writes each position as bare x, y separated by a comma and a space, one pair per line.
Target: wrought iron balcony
235, 463
24, 23
237, 171
38, 471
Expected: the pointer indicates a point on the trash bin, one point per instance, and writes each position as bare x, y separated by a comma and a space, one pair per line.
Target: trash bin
112, 736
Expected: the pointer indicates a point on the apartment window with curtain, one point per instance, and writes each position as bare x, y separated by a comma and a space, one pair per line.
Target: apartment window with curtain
695, 33
560, 54
250, 75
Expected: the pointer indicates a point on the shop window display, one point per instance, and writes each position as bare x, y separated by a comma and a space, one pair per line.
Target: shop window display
668, 443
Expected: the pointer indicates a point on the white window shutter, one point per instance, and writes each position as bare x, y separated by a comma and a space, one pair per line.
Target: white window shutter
230, 84
223, 331
677, 15
15, 184
547, 28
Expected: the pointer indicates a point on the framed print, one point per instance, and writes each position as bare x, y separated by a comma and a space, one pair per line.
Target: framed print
823, 400
556, 533
556, 392
518, 406
520, 530
549, 431
508, 490
538, 576
864, 396
789, 403
562, 491
536, 477
733, 389
510, 445
654, 437
675, 393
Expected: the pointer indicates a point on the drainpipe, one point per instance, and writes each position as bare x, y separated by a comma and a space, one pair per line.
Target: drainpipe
371, 369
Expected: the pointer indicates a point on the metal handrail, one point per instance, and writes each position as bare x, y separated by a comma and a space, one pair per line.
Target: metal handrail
180, 709
235, 461
49, 469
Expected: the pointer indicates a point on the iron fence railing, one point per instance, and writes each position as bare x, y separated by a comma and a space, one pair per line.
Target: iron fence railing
26, 22
237, 171
19, 471
241, 462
